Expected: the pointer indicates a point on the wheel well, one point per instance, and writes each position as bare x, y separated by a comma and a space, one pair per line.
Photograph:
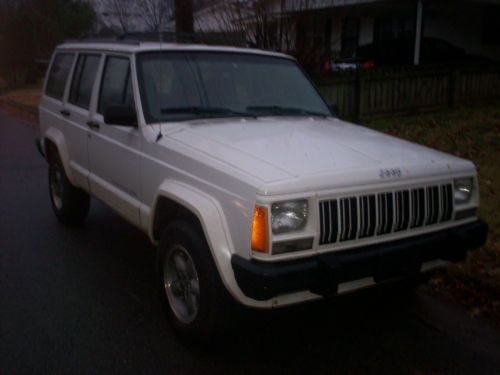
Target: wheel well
51, 149
168, 210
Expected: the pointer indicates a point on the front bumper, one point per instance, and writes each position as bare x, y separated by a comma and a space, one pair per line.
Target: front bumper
323, 273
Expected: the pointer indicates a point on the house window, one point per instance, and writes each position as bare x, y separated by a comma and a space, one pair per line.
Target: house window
350, 36
394, 28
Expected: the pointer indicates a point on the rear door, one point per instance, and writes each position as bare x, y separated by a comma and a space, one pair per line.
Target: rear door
76, 113
52, 107
114, 150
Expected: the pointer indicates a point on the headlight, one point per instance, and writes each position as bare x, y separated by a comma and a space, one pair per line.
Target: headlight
463, 189
288, 216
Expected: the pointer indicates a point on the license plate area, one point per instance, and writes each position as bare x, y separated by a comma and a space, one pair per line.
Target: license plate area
397, 265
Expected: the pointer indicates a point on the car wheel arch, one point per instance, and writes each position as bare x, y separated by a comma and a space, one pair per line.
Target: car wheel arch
54, 142
206, 213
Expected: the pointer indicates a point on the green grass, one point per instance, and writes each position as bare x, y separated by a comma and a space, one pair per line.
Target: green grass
472, 133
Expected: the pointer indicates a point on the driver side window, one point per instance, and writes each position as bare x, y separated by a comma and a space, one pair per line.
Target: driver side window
116, 86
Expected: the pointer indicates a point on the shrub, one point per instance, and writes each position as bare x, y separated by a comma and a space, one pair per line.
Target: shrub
30, 29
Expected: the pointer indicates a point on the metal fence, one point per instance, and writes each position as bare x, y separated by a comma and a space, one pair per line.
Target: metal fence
385, 91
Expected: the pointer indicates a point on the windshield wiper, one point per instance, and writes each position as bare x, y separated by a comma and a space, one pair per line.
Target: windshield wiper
206, 111
285, 111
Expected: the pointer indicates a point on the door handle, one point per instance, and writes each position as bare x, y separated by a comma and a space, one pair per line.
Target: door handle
65, 113
93, 125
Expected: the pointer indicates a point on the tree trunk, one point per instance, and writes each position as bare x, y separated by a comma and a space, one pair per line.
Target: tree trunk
184, 16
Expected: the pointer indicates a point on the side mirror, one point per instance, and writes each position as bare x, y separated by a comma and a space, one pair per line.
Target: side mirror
120, 114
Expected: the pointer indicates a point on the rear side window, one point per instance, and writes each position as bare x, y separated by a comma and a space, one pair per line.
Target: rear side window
83, 80
58, 76
116, 87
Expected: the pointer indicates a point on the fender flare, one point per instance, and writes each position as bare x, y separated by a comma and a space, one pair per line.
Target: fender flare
55, 136
214, 225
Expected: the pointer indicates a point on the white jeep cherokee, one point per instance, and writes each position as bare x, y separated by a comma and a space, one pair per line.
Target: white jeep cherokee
231, 162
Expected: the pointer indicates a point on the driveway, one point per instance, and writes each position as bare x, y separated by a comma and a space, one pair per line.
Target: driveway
83, 301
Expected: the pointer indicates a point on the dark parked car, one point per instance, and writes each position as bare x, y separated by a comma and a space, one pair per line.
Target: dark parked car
400, 52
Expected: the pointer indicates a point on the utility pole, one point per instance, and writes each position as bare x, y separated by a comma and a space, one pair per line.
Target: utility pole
184, 20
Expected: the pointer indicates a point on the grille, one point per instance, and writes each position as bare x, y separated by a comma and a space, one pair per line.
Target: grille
363, 216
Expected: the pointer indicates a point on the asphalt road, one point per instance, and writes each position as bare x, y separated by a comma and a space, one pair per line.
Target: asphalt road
82, 301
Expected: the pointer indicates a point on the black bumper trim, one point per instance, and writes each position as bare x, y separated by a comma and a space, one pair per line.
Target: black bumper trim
321, 274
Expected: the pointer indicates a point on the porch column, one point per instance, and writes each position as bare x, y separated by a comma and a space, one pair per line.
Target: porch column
418, 32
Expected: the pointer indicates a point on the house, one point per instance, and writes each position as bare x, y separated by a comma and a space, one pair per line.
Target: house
111, 20
338, 27
116, 17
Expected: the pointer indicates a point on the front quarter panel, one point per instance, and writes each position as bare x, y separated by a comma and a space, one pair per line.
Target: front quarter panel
216, 230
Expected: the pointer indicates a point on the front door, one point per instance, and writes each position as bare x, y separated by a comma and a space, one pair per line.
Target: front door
114, 151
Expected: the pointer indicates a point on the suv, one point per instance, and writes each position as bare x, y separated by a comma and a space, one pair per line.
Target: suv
233, 164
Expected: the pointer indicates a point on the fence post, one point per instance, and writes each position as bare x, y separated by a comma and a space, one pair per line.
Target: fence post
360, 85
453, 87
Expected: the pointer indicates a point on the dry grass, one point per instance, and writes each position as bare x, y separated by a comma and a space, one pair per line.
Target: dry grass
472, 133
22, 102
27, 96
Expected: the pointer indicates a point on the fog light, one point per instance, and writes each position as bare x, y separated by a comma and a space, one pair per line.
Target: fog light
464, 214
292, 246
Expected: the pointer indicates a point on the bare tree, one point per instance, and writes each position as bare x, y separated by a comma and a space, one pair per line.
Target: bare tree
122, 10
155, 13
269, 24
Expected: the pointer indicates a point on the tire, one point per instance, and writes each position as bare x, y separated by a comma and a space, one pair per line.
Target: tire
196, 301
70, 204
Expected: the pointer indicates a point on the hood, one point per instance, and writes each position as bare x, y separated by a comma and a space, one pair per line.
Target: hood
274, 149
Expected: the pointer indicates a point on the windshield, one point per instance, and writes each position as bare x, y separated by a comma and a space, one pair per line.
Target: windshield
178, 86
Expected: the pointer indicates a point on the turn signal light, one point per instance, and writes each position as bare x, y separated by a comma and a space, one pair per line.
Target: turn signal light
260, 230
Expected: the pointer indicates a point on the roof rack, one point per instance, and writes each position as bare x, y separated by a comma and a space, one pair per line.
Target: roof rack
231, 39
235, 39
102, 40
